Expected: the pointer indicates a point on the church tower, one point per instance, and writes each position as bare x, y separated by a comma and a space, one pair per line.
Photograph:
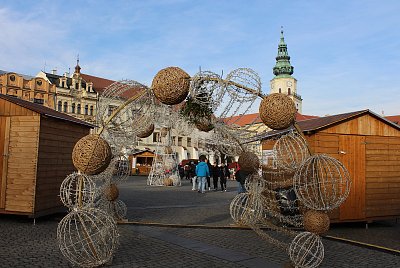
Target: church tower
284, 82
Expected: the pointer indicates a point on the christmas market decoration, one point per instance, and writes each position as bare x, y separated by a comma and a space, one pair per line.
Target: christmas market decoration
249, 161
316, 222
277, 111
171, 85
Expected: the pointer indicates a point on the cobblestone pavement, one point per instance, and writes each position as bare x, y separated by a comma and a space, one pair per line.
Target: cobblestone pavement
23, 244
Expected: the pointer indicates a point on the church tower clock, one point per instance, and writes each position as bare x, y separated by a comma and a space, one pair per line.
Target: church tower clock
284, 82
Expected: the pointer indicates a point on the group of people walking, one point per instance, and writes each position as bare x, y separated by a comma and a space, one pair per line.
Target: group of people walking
202, 173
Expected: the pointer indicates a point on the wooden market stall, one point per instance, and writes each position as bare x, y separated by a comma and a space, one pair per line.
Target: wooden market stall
141, 162
369, 147
36, 144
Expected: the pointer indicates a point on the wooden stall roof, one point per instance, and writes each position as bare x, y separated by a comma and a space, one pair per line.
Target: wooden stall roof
143, 153
312, 125
40, 109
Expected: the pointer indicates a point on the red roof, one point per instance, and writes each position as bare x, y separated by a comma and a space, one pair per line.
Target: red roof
43, 110
247, 119
394, 118
99, 84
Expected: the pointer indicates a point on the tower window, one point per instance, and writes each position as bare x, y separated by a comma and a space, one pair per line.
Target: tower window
76, 86
288, 91
86, 109
65, 107
59, 107
280, 91
73, 108
91, 110
78, 110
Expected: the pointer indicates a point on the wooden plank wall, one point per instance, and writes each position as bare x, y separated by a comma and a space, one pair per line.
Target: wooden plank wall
22, 160
56, 142
9, 109
382, 176
364, 125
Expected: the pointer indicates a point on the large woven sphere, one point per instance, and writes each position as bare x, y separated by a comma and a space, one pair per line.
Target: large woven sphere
168, 182
316, 222
322, 182
91, 154
88, 237
171, 85
77, 190
249, 161
277, 111
111, 192
306, 250
290, 151
204, 124
146, 132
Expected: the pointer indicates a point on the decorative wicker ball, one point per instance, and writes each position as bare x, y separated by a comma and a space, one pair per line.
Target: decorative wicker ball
316, 222
204, 124
249, 161
171, 85
91, 154
322, 182
277, 111
111, 192
168, 182
88, 237
168, 150
146, 132
77, 190
306, 250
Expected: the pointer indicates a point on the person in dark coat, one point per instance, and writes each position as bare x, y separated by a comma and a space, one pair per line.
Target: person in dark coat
215, 175
241, 176
223, 176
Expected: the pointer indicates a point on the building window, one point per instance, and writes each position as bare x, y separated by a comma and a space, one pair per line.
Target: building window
179, 141
38, 101
189, 142
12, 78
111, 109
73, 108
173, 140
288, 91
62, 84
156, 136
78, 109
76, 86
59, 107
280, 91
65, 107
86, 109
91, 110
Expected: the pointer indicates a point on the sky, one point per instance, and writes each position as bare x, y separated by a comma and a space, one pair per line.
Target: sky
345, 53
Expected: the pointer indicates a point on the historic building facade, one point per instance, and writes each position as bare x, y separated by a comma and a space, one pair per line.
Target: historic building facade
74, 96
33, 89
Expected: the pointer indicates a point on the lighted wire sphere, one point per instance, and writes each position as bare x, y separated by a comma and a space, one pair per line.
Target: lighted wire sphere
246, 208
117, 208
290, 151
77, 190
306, 250
243, 77
87, 237
322, 182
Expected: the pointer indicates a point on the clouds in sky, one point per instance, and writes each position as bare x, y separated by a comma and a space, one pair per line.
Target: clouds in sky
345, 53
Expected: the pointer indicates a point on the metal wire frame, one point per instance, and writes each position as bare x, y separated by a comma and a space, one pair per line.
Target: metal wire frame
306, 250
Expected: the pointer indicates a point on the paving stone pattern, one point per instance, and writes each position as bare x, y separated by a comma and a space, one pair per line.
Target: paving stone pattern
23, 244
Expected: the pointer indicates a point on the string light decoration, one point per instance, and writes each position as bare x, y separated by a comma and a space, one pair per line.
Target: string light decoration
277, 111
322, 182
290, 151
87, 237
77, 190
306, 250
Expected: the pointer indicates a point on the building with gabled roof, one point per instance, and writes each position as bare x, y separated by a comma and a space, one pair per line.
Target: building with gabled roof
368, 145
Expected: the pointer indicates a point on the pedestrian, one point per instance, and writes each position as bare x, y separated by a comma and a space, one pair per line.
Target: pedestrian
181, 171
215, 175
209, 176
223, 176
187, 171
202, 172
241, 176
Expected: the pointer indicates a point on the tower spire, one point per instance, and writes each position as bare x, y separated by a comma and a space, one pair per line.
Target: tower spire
282, 67
77, 67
